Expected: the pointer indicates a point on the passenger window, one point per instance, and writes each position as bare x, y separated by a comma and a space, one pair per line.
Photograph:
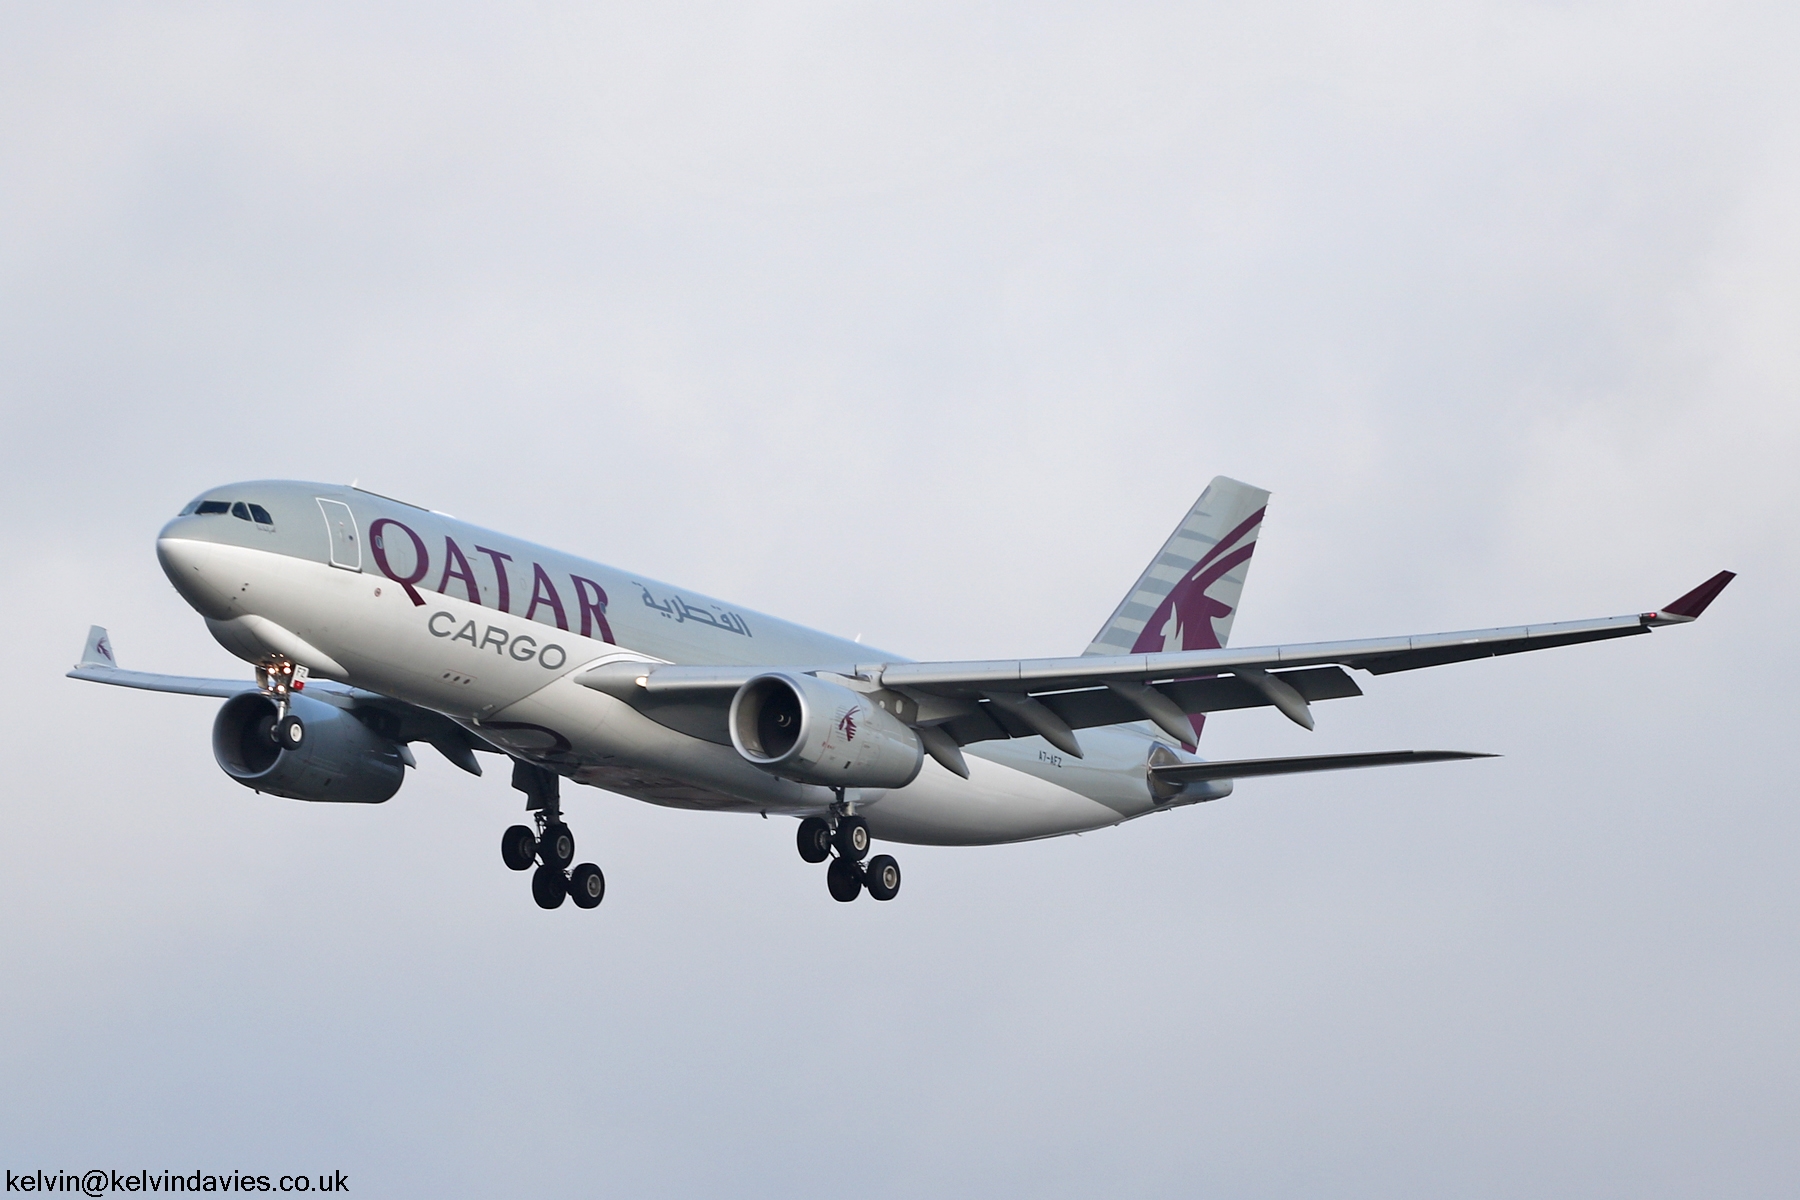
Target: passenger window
208, 507
261, 514
240, 512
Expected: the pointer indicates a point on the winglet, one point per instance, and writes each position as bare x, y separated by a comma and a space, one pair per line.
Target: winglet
1690, 606
98, 652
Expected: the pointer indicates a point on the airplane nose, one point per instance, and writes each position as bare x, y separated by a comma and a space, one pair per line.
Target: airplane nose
186, 562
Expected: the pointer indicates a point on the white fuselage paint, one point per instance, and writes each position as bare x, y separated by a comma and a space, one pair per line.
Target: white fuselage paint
450, 654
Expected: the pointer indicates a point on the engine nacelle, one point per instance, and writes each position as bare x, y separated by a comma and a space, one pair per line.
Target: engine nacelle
801, 727
341, 759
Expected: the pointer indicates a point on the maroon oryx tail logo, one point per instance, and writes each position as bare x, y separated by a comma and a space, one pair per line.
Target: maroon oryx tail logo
846, 724
1184, 620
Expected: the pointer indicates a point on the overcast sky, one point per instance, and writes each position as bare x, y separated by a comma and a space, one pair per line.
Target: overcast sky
925, 323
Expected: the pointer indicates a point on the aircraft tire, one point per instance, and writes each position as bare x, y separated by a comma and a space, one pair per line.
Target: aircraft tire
518, 848
882, 877
548, 887
844, 880
557, 846
290, 732
814, 840
852, 840
587, 886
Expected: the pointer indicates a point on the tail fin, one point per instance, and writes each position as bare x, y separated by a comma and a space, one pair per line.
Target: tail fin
1187, 596
98, 651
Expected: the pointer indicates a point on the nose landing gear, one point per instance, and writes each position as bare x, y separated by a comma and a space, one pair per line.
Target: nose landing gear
848, 834
279, 680
550, 844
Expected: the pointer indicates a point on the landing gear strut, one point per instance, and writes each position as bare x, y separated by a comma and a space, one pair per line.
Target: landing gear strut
550, 844
848, 834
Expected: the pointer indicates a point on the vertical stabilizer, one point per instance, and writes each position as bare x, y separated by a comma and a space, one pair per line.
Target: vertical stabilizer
1188, 595
98, 651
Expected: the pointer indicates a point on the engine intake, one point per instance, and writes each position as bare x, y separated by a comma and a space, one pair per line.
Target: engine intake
341, 759
801, 727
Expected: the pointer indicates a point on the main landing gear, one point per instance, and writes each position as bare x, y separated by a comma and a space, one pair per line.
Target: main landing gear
848, 834
550, 845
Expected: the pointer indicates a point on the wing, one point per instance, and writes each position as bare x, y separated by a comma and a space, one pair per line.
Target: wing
396, 719
1052, 697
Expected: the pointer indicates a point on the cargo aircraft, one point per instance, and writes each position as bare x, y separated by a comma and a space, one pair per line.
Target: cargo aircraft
373, 625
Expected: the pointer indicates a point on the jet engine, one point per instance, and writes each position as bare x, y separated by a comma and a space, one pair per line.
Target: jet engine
340, 759
801, 727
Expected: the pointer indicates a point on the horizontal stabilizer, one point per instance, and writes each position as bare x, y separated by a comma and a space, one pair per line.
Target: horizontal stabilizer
99, 665
1200, 772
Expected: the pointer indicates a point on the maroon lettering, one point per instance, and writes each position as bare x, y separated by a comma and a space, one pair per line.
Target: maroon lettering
500, 561
421, 560
593, 609
457, 567
544, 592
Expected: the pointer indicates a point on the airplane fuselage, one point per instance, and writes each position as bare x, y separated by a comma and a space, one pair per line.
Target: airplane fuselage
490, 631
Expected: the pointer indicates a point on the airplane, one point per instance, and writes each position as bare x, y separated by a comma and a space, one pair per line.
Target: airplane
373, 624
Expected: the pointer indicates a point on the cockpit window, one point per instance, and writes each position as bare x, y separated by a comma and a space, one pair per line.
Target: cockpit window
238, 509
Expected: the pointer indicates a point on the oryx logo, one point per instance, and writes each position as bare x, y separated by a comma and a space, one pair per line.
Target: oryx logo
105, 650
1184, 620
846, 724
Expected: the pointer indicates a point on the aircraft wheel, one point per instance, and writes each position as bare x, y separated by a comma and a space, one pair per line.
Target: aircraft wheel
587, 886
844, 879
548, 887
557, 846
852, 838
518, 847
290, 733
814, 840
882, 877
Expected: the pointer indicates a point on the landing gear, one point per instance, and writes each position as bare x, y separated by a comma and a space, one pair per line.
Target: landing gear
882, 877
557, 846
587, 886
550, 844
814, 840
548, 887
518, 847
280, 679
847, 834
844, 879
852, 838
